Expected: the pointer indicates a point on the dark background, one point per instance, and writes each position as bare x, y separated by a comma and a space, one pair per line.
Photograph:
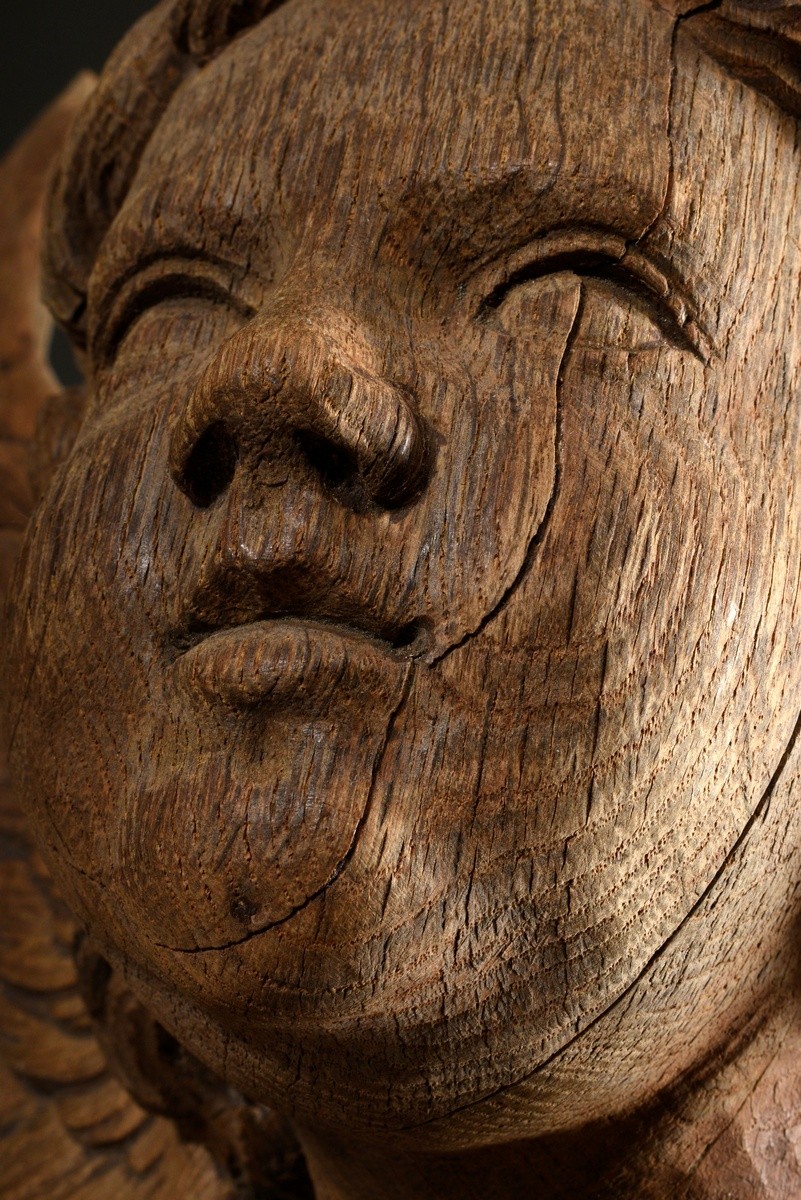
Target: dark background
44, 43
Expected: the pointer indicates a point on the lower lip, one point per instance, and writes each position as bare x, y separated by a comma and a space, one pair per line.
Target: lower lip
291, 665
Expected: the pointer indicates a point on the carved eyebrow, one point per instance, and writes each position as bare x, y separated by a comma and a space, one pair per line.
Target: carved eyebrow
136, 260
513, 207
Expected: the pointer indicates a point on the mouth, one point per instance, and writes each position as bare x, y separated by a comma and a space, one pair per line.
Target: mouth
296, 663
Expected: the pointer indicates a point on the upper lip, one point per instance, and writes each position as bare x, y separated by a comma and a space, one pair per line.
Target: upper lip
238, 597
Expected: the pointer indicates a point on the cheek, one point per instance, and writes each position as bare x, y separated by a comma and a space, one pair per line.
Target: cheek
659, 560
642, 618
88, 594
82, 640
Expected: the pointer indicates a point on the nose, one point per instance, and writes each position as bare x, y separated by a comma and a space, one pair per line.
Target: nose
295, 390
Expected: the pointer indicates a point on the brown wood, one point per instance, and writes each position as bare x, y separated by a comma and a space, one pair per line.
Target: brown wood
403, 652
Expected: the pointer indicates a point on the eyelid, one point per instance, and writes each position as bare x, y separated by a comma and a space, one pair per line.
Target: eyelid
608, 257
160, 280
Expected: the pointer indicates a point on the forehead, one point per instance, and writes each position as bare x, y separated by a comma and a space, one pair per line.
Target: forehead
425, 121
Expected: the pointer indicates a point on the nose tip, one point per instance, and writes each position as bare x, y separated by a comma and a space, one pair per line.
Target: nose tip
366, 429
293, 392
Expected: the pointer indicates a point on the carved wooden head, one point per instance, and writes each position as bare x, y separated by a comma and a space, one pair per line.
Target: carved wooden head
406, 655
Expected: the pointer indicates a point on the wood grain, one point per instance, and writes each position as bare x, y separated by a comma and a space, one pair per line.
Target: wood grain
404, 652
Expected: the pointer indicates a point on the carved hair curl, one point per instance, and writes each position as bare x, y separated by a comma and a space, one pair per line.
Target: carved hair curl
758, 41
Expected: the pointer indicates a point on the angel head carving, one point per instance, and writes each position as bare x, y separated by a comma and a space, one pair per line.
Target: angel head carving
405, 655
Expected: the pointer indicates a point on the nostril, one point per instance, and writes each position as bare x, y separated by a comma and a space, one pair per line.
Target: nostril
336, 467
332, 463
210, 466
384, 480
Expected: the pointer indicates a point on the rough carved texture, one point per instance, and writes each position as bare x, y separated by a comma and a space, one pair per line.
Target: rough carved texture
404, 654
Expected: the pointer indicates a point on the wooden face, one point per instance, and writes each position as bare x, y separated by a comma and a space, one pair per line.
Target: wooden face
413, 629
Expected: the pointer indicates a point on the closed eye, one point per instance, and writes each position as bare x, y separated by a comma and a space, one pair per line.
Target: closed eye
630, 278
159, 283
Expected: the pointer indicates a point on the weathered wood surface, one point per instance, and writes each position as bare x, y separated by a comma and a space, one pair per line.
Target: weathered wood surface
69, 1129
404, 657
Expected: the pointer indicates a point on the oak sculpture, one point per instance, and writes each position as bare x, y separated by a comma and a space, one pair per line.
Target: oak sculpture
403, 647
